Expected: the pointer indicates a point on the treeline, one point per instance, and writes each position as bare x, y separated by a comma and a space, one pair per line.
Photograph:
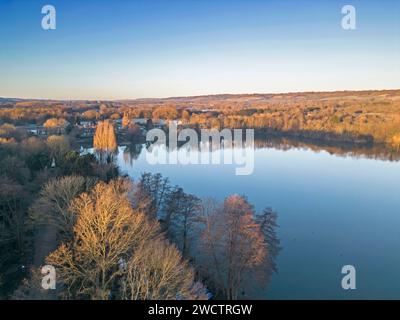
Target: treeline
363, 117
149, 240
26, 164
232, 247
110, 238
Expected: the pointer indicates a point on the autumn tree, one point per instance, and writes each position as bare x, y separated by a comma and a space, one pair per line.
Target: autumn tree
233, 246
165, 112
52, 208
91, 115
126, 120
105, 140
185, 116
55, 122
395, 141
110, 247
156, 271
55, 125
106, 231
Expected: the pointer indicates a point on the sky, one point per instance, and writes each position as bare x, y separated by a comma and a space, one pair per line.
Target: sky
127, 49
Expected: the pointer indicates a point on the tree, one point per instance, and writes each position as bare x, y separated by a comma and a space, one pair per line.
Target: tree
395, 141
180, 215
76, 164
107, 230
56, 125
185, 116
165, 112
156, 271
117, 252
90, 115
105, 140
12, 211
126, 121
58, 146
134, 132
52, 206
13, 235
233, 245
36, 153
151, 193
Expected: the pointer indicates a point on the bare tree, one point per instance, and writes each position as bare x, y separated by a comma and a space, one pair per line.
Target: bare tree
180, 214
117, 252
233, 246
152, 189
52, 206
58, 146
156, 271
107, 230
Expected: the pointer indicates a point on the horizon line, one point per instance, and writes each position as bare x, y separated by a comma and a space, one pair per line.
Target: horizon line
203, 95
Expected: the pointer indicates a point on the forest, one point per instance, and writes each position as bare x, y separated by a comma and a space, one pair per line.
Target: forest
361, 117
109, 237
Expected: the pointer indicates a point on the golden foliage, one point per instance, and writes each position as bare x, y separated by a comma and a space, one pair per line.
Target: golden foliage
156, 272
55, 122
108, 234
105, 138
395, 141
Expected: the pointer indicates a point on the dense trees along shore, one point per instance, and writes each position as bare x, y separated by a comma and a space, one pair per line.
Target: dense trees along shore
111, 238
363, 117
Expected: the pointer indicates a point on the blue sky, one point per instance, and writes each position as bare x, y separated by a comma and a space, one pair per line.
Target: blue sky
117, 49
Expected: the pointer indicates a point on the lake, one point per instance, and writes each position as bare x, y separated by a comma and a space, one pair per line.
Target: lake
332, 211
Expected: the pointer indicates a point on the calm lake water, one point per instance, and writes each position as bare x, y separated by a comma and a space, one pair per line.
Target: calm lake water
332, 211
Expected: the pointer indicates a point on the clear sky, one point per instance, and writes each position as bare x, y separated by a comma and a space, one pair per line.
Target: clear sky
117, 49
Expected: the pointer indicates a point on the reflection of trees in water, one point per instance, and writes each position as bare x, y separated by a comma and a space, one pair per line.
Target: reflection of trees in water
344, 149
374, 151
132, 152
105, 157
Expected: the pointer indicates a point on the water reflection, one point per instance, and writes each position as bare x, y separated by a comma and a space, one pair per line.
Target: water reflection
132, 153
337, 205
375, 151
